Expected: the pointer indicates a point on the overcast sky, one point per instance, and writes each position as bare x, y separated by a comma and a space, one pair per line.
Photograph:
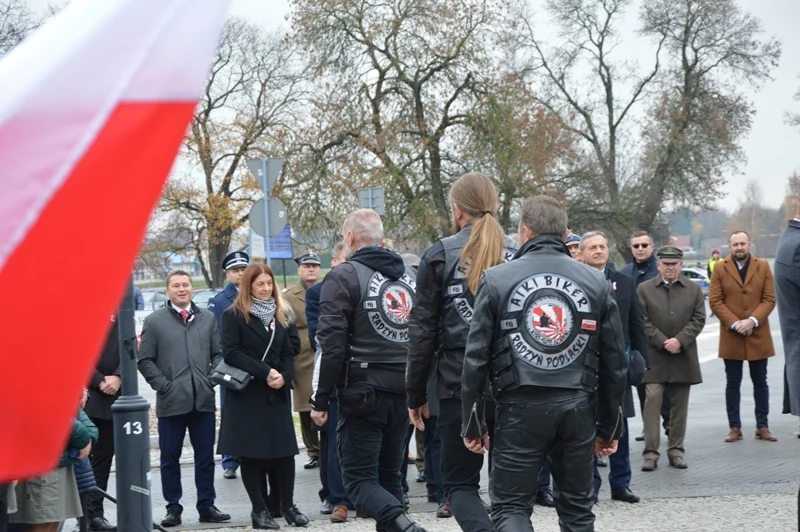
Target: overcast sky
772, 148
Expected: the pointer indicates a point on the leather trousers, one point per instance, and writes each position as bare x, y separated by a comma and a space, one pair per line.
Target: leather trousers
559, 427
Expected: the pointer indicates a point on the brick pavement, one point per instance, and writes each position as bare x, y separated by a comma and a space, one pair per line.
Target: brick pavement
715, 467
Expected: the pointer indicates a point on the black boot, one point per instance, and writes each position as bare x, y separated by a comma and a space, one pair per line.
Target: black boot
294, 517
263, 521
403, 523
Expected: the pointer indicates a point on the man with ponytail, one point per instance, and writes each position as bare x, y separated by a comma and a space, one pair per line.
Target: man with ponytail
547, 329
447, 279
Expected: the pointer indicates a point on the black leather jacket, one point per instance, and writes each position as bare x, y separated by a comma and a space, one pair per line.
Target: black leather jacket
587, 351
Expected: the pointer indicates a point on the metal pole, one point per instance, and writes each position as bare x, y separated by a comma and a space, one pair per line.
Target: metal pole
283, 265
266, 213
370, 197
131, 432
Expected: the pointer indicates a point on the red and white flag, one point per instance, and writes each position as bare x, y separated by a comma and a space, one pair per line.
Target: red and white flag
93, 108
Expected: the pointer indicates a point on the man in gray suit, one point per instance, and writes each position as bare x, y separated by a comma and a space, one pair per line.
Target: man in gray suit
179, 345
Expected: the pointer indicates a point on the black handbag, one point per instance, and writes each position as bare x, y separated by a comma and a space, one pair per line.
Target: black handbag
233, 378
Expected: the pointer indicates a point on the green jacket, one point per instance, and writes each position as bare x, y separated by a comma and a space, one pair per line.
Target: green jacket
83, 432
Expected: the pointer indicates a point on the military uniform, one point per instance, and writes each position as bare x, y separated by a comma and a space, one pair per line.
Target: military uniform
548, 331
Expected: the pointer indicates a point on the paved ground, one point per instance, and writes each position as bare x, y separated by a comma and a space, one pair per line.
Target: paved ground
748, 485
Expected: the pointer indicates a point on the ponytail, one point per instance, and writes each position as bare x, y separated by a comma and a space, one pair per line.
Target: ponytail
483, 250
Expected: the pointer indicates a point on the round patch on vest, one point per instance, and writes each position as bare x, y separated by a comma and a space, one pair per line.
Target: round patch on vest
549, 320
389, 305
541, 317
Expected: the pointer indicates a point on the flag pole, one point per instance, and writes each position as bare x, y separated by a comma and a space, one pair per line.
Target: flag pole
131, 431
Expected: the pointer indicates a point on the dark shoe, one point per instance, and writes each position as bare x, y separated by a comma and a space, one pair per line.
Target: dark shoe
545, 498
313, 462
361, 513
406, 501
339, 514
734, 435
263, 521
678, 462
624, 495
421, 476
640, 437
765, 434
403, 523
596, 496
649, 465
326, 508
213, 515
602, 462
294, 517
444, 511
433, 498
229, 474
99, 524
410, 461
666, 432
173, 518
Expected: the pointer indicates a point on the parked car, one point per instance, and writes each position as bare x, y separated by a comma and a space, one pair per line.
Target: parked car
202, 296
699, 276
154, 298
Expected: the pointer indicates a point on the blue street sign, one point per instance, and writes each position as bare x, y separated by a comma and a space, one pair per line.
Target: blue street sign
280, 247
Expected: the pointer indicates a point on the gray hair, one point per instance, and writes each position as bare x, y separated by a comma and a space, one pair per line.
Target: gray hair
338, 249
591, 234
366, 226
544, 215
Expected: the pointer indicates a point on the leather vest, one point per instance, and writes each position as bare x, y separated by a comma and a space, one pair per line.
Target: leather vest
548, 333
379, 326
457, 300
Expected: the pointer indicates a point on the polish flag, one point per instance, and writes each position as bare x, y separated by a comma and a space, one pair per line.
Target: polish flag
93, 109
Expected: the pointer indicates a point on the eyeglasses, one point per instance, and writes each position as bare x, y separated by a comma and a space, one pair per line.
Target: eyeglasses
637, 246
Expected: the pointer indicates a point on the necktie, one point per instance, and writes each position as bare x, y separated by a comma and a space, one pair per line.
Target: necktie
184, 315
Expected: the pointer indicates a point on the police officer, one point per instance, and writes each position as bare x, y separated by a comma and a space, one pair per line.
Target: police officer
548, 331
234, 265
363, 337
448, 276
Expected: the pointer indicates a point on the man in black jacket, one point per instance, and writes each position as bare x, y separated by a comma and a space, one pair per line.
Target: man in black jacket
104, 390
548, 330
363, 336
595, 252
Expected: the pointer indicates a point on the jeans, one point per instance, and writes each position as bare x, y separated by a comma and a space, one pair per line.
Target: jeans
372, 435
171, 431
733, 396
619, 465
461, 471
561, 430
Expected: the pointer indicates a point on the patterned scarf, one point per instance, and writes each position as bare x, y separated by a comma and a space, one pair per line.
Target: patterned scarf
263, 310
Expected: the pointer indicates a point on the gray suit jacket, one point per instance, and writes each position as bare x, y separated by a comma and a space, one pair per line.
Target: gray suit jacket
787, 293
175, 359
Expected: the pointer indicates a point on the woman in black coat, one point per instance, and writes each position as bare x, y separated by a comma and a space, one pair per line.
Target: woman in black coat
257, 423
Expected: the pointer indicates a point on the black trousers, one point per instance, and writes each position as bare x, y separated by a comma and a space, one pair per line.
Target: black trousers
324, 491
461, 470
254, 477
559, 428
101, 457
372, 435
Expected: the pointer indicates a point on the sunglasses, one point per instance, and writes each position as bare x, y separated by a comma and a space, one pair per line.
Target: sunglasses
637, 246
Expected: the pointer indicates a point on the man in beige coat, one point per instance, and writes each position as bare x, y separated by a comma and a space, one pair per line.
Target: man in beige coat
742, 296
308, 267
674, 315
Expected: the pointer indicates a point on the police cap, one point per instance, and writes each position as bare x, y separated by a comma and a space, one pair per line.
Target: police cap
237, 259
572, 240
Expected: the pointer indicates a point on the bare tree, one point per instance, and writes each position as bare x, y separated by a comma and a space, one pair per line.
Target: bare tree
714, 51
396, 84
793, 119
16, 22
248, 109
596, 109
